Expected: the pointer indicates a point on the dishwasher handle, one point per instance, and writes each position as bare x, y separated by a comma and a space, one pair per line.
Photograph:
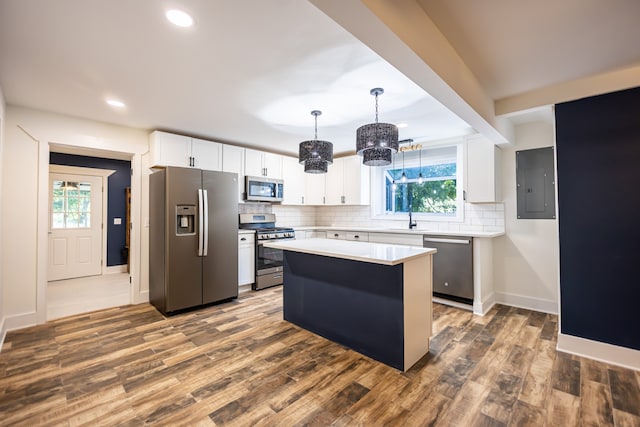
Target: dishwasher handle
438, 240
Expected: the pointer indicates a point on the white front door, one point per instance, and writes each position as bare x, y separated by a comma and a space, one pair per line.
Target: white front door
75, 225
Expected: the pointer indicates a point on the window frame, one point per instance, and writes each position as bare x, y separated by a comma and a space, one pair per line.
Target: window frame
378, 186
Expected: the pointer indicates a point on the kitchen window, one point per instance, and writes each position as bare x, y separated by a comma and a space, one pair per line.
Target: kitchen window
437, 197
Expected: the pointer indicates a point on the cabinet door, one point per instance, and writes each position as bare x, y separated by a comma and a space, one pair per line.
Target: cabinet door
272, 164
483, 164
314, 187
356, 187
206, 154
334, 183
246, 259
293, 176
233, 161
168, 149
253, 163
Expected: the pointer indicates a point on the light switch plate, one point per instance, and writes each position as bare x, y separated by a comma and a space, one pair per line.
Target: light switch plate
117, 221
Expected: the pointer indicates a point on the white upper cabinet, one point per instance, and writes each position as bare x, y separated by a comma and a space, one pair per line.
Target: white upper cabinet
233, 161
167, 149
293, 176
260, 163
206, 154
483, 171
347, 182
314, 189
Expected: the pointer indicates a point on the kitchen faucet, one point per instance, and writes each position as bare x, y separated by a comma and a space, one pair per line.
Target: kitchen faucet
412, 224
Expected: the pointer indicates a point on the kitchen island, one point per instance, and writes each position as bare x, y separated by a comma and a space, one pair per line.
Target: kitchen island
373, 298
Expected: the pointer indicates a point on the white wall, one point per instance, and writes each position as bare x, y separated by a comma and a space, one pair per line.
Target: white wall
2, 315
526, 258
28, 134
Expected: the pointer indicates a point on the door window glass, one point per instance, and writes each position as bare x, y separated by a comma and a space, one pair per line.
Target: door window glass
71, 204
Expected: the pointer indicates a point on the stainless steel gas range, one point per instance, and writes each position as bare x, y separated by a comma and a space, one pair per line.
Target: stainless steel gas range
268, 261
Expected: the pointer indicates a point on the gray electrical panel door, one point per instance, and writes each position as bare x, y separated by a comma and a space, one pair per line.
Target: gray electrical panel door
535, 184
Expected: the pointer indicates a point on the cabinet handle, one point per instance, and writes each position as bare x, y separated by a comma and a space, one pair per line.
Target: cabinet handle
323, 200
243, 239
303, 200
455, 241
335, 235
342, 199
356, 237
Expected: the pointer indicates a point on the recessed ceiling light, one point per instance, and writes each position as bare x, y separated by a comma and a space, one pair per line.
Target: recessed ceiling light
179, 18
116, 103
402, 125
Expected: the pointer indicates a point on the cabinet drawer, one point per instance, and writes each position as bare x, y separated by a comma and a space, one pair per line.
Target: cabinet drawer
341, 235
362, 237
246, 239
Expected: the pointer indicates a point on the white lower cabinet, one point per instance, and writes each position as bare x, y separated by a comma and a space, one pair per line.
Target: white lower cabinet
348, 235
246, 258
396, 239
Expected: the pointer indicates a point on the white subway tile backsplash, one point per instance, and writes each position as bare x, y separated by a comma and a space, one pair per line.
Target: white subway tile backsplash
477, 217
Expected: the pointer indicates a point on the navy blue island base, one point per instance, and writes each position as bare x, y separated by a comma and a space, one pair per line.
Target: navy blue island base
362, 305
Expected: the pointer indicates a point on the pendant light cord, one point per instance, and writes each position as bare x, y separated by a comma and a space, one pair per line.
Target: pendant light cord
376, 107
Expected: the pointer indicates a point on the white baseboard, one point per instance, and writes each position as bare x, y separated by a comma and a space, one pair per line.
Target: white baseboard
602, 352
142, 297
530, 303
19, 321
482, 307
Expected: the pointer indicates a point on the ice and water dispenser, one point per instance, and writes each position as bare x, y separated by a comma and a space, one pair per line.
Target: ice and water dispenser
185, 220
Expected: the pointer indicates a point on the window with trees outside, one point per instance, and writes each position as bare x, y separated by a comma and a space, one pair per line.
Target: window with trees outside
71, 204
431, 187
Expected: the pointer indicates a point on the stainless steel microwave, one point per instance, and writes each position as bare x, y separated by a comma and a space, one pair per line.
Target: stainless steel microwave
263, 189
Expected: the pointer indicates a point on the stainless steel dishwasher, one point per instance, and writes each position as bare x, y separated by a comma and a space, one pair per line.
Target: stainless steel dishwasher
452, 267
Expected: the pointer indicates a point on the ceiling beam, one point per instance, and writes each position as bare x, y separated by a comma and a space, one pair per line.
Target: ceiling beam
404, 36
613, 81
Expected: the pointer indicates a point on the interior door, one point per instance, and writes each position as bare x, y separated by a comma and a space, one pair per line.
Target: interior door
75, 226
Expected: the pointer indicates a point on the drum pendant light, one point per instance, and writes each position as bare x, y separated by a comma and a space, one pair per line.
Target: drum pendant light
376, 142
316, 155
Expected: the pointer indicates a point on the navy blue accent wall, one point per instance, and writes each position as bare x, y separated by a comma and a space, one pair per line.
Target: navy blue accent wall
116, 199
598, 160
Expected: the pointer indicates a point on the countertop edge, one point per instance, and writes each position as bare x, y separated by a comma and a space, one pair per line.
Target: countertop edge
478, 234
287, 246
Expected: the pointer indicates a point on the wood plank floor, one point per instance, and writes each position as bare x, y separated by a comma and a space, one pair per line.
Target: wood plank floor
240, 364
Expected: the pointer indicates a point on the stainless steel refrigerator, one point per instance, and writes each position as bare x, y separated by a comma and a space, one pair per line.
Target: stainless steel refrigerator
193, 238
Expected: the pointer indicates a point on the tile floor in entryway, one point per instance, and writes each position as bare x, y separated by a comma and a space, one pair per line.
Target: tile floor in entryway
85, 294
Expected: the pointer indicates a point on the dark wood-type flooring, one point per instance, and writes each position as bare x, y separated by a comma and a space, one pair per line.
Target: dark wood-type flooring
239, 363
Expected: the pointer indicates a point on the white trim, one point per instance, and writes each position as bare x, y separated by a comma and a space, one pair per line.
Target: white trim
602, 352
530, 303
17, 321
482, 307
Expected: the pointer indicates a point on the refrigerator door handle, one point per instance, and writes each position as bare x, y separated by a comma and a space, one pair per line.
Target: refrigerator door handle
206, 223
200, 222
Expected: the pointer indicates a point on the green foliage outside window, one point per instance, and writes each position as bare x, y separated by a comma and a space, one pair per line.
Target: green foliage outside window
435, 195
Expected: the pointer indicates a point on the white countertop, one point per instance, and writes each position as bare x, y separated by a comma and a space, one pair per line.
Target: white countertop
419, 231
378, 253
245, 231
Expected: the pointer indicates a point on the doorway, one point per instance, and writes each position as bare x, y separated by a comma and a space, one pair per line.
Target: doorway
87, 267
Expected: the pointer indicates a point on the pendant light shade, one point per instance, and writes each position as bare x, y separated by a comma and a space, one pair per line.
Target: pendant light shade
376, 142
316, 155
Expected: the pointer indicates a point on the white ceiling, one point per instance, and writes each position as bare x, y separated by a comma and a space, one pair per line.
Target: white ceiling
250, 71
